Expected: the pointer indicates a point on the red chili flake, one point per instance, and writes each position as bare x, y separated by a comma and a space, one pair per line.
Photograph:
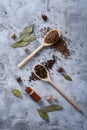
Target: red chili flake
19, 79
60, 70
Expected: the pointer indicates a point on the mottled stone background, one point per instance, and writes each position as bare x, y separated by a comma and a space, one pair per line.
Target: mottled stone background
66, 15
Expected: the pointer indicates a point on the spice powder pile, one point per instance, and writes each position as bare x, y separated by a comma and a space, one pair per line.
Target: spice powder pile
40, 71
62, 47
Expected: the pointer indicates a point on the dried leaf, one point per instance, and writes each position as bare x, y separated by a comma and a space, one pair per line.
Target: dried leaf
52, 108
19, 44
25, 38
67, 77
27, 30
43, 115
16, 93
24, 42
29, 39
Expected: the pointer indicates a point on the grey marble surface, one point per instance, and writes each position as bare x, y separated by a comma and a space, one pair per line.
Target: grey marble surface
66, 15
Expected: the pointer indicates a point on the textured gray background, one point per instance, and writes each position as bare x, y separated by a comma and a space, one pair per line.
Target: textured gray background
66, 15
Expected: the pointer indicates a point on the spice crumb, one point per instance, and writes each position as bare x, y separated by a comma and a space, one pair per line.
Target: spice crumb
13, 35
19, 80
44, 17
60, 70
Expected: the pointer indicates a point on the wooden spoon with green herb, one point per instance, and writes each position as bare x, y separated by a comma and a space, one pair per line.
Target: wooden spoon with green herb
42, 73
51, 38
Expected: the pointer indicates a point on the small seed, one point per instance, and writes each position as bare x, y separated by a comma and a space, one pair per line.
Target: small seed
13, 35
54, 97
25, 49
48, 98
51, 98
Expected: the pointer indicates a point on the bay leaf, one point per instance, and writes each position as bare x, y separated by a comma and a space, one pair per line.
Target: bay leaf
19, 44
27, 30
25, 37
23, 42
52, 108
67, 77
16, 93
29, 39
43, 115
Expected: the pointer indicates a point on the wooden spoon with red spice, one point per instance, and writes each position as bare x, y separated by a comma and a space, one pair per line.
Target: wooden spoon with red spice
42, 73
51, 38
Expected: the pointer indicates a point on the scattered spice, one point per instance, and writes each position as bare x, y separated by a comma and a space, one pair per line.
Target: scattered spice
61, 69
48, 64
40, 71
13, 35
61, 46
44, 17
33, 94
44, 31
19, 80
52, 37
33, 77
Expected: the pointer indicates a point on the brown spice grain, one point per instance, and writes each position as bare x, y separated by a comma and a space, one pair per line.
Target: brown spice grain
52, 37
61, 69
44, 17
62, 47
40, 71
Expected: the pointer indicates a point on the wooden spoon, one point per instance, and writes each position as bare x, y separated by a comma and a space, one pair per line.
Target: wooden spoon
44, 44
48, 79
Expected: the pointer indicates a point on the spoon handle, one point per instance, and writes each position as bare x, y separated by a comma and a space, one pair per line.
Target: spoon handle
28, 58
67, 98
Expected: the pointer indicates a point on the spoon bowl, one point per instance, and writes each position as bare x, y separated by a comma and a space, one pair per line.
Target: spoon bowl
44, 44
44, 79
51, 43
48, 79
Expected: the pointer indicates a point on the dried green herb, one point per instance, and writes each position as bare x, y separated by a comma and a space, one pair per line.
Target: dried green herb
67, 77
25, 37
16, 93
43, 115
24, 42
27, 30
52, 108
